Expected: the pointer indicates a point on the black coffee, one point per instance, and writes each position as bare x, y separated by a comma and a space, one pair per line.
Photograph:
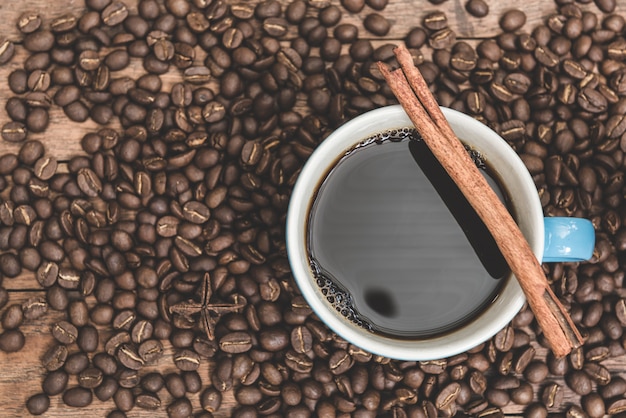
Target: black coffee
385, 249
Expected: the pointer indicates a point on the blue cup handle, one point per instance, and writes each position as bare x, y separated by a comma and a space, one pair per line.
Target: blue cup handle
568, 239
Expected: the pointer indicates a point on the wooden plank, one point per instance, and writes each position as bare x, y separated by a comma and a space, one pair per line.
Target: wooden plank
402, 14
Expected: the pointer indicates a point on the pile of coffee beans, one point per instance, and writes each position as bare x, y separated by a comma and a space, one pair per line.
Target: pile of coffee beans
191, 170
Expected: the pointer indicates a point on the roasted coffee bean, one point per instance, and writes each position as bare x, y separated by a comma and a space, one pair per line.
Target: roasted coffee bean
211, 400
39, 41
14, 132
179, 408
616, 407
10, 264
128, 356
38, 99
523, 394
77, 397
346, 33
274, 339
89, 60
106, 363
296, 11
251, 395
116, 341
301, 339
38, 404
477, 8
38, 80
141, 331
57, 298
148, 401
536, 372
54, 358
37, 120
615, 388
236, 342
597, 373
275, 26
447, 396
377, 4
88, 338
55, 382
76, 363
193, 381
377, 24
12, 317
124, 399
7, 50
45, 168
66, 95
186, 360
18, 81
68, 278
552, 396
175, 385
442, 39
597, 354
536, 410
64, 332
197, 75
435, 21
114, 14
90, 378
11, 340
29, 22
63, 23
512, 20
152, 382
16, 109
88, 182
34, 308
591, 100
504, 339
117, 60
607, 6
353, 6
593, 404
497, 397
107, 389
579, 382
164, 50
575, 411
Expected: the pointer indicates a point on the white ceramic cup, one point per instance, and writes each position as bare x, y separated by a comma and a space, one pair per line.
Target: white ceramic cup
510, 170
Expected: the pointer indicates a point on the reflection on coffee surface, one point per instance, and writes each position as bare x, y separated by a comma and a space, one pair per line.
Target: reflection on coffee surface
386, 251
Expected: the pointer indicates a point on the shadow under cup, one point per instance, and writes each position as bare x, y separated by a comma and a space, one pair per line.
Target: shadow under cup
427, 340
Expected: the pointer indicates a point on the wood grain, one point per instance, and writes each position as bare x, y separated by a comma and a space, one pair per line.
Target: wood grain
22, 373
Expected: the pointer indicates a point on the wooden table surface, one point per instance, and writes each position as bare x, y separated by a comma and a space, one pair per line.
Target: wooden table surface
21, 373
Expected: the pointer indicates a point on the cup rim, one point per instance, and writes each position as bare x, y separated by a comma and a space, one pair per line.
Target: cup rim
485, 325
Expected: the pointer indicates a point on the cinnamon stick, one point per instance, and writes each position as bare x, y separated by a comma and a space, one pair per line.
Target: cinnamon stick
413, 94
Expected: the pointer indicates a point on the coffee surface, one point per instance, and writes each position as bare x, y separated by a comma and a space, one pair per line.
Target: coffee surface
379, 230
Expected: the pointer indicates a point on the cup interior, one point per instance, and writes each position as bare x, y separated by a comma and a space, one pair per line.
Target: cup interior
504, 164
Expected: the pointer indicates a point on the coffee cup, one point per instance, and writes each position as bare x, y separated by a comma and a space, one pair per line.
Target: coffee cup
552, 239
